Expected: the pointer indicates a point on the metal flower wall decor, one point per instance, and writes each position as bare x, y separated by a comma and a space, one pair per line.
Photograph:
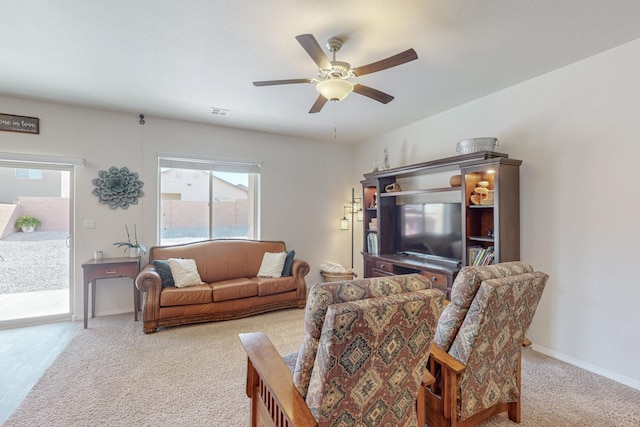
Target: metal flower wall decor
118, 187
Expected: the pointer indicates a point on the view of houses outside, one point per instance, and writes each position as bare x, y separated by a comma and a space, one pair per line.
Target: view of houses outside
185, 200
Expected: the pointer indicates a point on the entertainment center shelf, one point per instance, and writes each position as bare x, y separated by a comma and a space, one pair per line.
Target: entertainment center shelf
424, 191
393, 218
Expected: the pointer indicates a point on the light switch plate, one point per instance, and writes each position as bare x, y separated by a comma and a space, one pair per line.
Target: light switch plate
89, 223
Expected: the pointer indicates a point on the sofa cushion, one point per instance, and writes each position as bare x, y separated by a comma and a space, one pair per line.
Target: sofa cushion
288, 263
272, 264
198, 294
164, 271
234, 289
278, 285
184, 272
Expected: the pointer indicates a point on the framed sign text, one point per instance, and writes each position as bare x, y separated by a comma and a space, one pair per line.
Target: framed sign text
13, 123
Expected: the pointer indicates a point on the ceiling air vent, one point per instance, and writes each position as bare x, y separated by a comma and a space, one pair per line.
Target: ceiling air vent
219, 111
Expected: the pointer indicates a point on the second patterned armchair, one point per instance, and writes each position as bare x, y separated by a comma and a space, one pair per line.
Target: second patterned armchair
361, 361
476, 352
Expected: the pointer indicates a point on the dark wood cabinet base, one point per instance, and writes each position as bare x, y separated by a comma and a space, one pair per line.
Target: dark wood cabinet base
440, 273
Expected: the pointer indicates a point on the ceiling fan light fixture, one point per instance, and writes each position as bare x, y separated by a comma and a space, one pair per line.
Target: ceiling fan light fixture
334, 89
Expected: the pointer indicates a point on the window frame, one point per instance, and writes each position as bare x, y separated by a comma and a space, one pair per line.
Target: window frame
214, 164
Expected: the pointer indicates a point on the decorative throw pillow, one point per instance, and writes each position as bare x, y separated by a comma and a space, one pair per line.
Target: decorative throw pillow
163, 269
184, 272
272, 263
288, 262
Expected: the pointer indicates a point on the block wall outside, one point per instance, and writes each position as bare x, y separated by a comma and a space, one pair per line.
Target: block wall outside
177, 214
53, 213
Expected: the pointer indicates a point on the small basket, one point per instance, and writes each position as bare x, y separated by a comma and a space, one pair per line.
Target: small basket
337, 277
473, 145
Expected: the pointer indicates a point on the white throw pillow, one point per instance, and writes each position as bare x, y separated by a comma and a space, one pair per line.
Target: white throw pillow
272, 263
184, 272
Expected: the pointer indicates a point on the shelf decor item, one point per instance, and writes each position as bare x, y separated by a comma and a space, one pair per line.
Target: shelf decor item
393, 188
118, 187
385, 162
134, 247
472, 145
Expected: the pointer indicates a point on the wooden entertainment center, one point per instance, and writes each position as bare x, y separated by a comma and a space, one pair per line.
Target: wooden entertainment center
487, 227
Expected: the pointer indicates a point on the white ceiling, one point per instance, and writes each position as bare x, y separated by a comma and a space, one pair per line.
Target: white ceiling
180, 58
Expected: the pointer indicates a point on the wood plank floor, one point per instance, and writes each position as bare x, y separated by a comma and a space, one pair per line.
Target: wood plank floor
26, 352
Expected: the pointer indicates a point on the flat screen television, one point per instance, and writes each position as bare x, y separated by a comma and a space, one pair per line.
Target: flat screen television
429, 229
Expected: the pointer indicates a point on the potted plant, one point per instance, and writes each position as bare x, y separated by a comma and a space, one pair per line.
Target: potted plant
27, 223
134, 247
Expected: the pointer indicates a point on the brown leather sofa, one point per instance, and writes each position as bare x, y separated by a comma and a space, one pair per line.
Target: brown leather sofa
231, 289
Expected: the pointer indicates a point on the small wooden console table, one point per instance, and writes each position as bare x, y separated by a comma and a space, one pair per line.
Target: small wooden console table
109, 268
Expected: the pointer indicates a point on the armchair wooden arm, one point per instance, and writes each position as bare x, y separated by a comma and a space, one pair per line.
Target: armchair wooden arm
442, 395
449, 370
275, 401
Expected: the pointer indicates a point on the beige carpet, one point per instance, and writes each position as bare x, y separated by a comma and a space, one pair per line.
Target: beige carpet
113, 375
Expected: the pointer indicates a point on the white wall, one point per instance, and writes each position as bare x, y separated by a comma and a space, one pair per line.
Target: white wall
304, 183
577, 131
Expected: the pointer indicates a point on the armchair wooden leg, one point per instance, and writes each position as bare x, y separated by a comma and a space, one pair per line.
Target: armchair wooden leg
421, 406
514, 411
514, 407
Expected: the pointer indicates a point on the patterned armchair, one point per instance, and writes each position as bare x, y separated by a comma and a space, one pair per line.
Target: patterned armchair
475, 355
362, 358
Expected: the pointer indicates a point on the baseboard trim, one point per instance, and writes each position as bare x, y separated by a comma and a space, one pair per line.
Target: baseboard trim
630, 382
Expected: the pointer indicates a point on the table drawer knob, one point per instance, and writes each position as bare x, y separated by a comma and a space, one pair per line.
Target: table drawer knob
434, 278
111, 271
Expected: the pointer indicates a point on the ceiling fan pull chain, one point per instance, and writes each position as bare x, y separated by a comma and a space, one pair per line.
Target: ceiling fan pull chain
335, 106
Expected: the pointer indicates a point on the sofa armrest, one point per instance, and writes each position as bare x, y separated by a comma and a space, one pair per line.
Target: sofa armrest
148, 279
275, 401
299, 269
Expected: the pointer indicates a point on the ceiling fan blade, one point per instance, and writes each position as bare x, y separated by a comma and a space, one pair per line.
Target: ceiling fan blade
372, 93
317, 106
281, 82
310, 44
383, 64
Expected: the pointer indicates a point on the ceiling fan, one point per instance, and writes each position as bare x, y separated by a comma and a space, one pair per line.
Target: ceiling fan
333, 76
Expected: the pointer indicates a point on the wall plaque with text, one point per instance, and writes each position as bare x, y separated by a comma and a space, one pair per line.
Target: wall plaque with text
13, 123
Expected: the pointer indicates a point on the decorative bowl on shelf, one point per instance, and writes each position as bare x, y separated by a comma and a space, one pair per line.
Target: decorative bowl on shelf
393, 188
473, 145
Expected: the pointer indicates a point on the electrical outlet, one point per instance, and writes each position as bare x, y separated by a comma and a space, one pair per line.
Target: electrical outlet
89, 223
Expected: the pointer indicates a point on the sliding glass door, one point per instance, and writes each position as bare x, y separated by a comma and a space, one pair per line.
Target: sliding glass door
34, 261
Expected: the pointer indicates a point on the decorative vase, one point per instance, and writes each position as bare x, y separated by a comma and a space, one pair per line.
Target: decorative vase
385, 162
134, 252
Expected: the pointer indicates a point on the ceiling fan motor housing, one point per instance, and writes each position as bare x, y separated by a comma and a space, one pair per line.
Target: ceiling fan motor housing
339, 70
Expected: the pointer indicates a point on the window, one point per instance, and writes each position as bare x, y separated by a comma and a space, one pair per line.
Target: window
207, 198
28, 174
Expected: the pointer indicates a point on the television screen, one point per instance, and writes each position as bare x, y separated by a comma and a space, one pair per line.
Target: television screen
433, 229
